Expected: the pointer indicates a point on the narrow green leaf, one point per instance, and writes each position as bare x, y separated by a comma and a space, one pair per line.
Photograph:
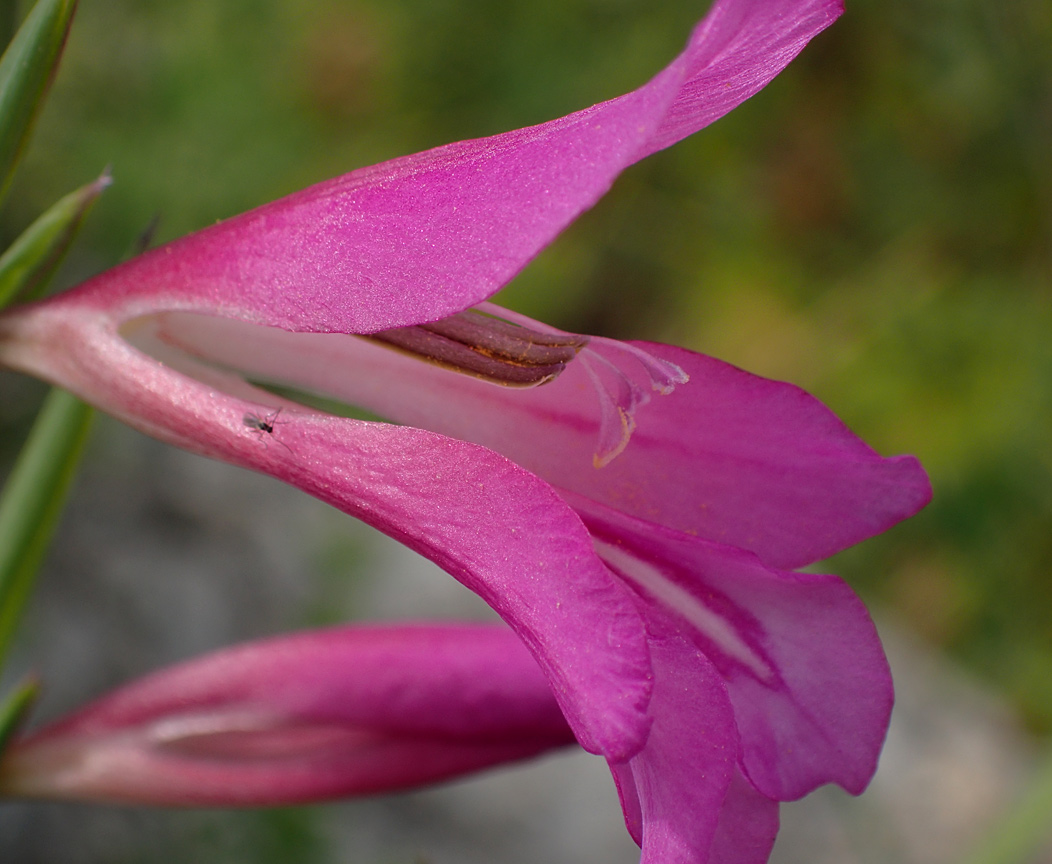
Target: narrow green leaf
32, 500
26, 70
8, 20
30, 262
15, 707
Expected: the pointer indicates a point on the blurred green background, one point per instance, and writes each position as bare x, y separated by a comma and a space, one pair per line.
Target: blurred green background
875, 226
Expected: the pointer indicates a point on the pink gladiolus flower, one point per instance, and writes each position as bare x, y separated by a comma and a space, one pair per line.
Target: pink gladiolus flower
331, 713
635, 519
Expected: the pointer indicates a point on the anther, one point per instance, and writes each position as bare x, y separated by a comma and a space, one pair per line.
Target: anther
488, 348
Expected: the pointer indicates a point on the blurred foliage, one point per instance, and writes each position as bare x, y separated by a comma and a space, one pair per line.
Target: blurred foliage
875, 226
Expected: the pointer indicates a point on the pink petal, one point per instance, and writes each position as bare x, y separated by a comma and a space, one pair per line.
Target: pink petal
802, 661
412, 240
771, 468
673, 791
306, 717
421, 237
747, 828
500, 530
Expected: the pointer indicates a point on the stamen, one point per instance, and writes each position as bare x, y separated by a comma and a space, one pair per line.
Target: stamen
488, 348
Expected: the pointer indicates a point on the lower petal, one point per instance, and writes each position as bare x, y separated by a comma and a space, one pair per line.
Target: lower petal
674, 790
747, 828
802, 661
497, 528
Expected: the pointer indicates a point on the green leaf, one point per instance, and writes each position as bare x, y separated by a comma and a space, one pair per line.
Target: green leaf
8, 20
32, 500
26, 70
30, 262
14, 708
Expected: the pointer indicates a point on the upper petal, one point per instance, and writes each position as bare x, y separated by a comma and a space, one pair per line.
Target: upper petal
420, 237
728, 456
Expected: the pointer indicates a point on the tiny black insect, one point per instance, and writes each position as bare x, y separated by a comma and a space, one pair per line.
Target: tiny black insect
262, 425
